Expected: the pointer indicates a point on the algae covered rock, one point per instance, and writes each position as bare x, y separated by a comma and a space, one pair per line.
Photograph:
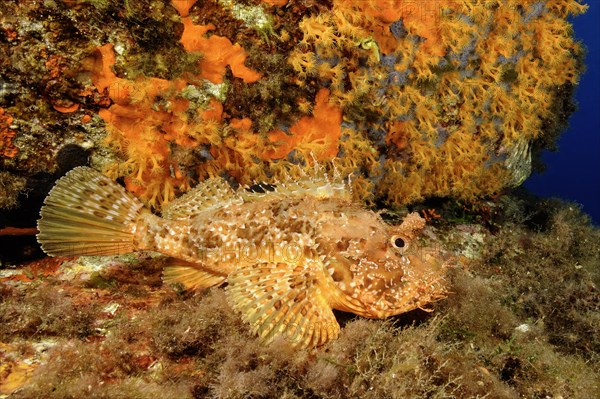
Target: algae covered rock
520, 321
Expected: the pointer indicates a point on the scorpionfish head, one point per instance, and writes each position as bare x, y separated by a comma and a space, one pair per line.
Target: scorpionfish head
380, 270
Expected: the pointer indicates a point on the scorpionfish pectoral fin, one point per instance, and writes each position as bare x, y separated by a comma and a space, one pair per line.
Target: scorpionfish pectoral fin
284, 300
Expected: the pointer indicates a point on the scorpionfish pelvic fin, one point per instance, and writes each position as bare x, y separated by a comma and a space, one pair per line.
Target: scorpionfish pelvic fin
284, 300
189, 275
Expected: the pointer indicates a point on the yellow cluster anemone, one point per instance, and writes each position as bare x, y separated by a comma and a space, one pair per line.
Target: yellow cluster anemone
452, 95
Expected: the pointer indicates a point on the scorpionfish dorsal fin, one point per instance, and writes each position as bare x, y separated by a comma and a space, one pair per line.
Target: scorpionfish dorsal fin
284, 300
299, 182
315, 186
207, 195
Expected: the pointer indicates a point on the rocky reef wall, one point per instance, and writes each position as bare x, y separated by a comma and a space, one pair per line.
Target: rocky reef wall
413, 99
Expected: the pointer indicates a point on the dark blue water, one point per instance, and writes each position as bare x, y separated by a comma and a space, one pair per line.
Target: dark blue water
573, 172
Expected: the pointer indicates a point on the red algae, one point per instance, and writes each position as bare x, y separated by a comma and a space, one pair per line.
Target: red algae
7, 148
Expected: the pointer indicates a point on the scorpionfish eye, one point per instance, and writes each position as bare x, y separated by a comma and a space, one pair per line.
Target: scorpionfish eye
398, 242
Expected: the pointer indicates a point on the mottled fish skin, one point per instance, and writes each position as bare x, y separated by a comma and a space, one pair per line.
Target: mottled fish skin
290, 254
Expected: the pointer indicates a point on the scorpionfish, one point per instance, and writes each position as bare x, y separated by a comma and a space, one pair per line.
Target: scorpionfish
289, 253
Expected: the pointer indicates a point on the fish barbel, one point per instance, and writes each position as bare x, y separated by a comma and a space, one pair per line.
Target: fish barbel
289, 253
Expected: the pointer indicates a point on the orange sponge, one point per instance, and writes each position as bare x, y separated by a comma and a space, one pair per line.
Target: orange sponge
183, 6
317, 134
218, 52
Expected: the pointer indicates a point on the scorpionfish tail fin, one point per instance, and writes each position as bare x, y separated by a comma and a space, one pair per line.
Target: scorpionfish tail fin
86, 213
